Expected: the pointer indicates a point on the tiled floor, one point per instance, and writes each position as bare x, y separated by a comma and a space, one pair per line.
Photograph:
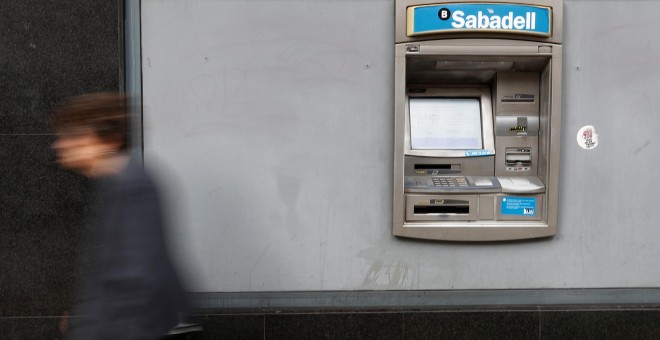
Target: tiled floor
605, 322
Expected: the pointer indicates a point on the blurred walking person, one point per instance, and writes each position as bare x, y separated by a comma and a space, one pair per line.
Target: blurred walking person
129, 288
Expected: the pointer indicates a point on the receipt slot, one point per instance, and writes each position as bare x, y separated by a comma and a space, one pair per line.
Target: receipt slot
477, 119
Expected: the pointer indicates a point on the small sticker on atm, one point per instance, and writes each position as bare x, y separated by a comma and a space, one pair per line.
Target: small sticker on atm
477, 153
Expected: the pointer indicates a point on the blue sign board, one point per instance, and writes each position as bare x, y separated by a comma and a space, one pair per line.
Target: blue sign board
520, 206
479, 17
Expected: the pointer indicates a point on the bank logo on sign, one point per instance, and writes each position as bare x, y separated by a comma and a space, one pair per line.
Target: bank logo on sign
481, 17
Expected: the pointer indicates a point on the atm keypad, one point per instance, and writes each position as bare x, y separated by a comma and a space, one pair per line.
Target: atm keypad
450, 181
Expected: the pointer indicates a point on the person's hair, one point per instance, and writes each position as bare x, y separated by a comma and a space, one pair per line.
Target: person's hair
105, 113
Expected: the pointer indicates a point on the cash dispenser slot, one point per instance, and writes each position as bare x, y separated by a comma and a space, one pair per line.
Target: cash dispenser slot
461, 207
441, 207
453, 207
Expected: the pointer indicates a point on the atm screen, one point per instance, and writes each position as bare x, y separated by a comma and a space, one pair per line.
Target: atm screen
445, 123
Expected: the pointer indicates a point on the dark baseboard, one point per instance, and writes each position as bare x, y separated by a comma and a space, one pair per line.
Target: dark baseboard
519, 299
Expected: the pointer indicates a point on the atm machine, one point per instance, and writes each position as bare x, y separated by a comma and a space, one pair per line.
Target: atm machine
477, 119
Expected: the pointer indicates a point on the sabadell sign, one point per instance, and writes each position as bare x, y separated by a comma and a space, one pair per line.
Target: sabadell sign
479, 17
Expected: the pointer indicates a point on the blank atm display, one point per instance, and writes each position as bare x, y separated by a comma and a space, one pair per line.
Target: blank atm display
445, 124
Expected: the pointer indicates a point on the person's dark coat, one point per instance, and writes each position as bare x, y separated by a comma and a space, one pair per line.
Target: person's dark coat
131, 290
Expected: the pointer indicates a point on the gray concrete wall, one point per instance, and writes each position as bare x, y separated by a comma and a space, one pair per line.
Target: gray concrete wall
277, 118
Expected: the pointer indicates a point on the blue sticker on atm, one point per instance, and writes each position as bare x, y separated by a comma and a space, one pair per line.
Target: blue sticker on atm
465, 17
477, 153
520, 206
